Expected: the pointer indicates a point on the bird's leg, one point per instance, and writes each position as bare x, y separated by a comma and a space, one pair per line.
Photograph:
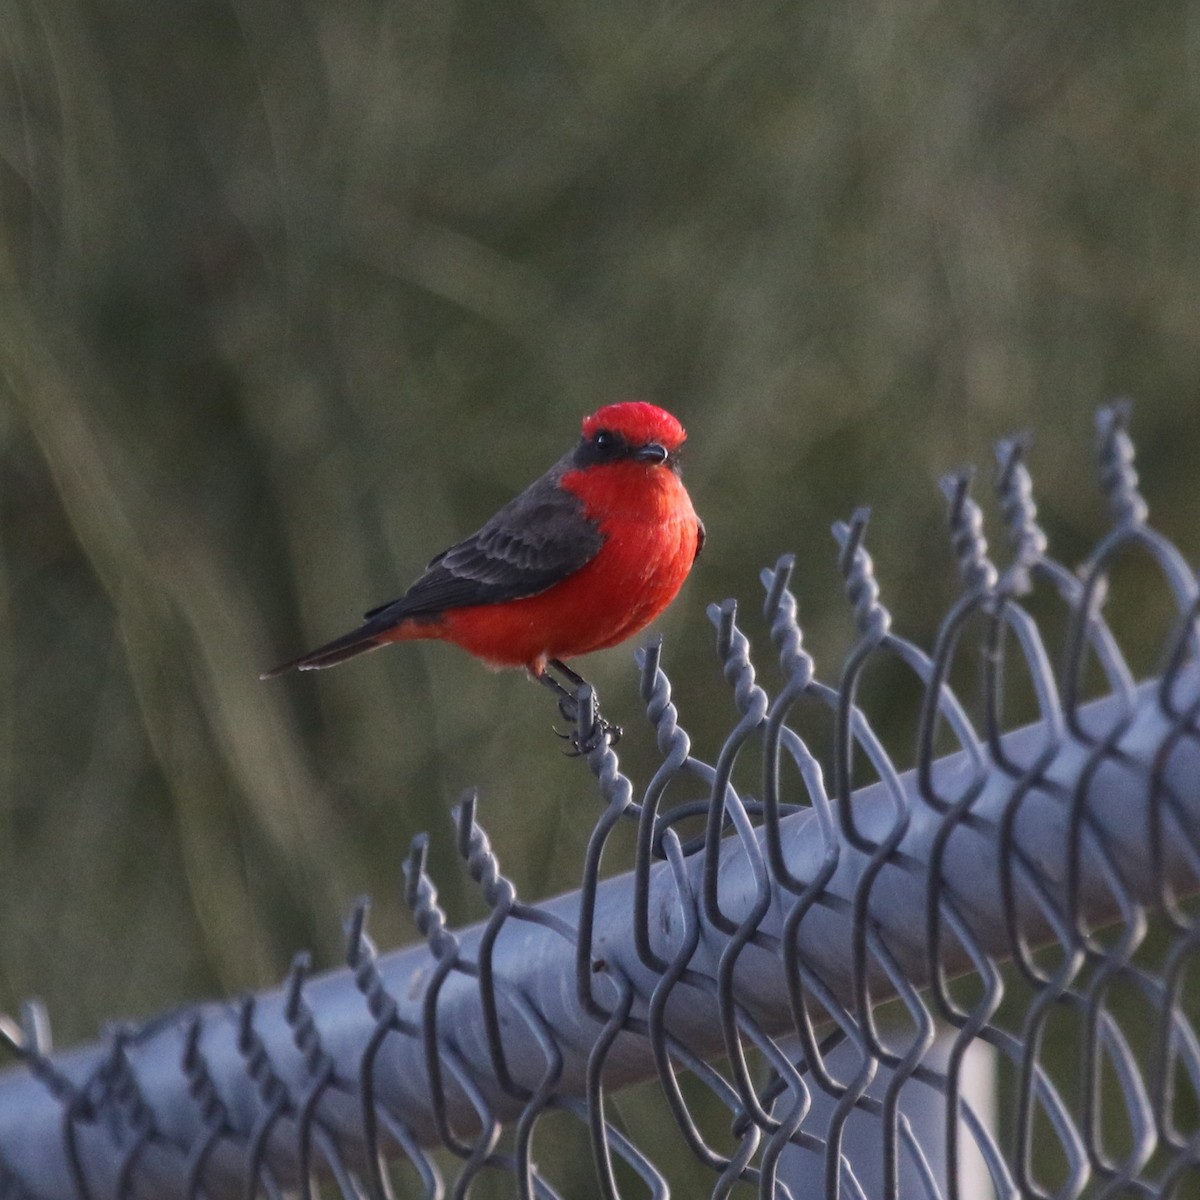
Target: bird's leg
562, 668
569, 707
607, 728
566, 698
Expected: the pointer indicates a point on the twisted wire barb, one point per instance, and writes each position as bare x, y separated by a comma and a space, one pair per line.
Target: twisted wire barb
746, 969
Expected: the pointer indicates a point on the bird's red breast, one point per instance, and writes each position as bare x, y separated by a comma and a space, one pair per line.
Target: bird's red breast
651, 538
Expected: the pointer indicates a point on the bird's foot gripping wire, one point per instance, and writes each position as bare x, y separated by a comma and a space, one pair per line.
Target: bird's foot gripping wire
580, 707
591, 729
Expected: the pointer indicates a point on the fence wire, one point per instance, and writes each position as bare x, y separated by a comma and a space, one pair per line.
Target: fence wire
970, 979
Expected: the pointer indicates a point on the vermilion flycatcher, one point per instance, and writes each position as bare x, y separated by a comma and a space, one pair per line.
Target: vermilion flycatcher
581, 560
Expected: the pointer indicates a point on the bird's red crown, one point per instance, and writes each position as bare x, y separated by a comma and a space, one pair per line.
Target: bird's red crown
638, 422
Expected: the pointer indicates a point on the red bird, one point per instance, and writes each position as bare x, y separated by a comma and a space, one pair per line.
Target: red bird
582, 559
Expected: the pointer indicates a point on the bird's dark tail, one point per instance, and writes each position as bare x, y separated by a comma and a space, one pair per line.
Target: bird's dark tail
349, 645
382, 627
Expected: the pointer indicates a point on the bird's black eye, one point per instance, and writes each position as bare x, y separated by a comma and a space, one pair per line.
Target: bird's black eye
603, 446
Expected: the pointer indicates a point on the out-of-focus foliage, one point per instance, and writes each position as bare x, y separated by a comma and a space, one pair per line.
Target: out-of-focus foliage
293, 295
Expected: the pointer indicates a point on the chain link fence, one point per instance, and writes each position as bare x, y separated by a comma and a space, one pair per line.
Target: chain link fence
970, 979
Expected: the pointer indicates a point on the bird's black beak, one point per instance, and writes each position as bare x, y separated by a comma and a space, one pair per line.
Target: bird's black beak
652, 452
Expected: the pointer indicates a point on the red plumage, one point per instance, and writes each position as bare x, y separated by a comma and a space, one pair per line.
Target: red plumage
585, 557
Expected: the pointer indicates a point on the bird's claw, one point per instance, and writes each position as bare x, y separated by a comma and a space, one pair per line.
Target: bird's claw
581, 710
602, 733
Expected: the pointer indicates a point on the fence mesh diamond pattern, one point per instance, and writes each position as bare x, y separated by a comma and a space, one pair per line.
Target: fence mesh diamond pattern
971, 978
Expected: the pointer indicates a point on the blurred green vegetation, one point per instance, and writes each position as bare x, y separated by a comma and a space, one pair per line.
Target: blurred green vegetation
293, 295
